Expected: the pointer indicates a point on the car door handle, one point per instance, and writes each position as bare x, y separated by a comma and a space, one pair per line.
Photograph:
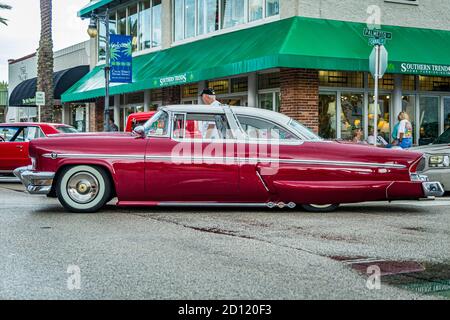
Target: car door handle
20, 147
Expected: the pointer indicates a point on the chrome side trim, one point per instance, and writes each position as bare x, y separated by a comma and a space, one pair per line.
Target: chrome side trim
209, 204
92, 156
224, 159
274, 160
262, 181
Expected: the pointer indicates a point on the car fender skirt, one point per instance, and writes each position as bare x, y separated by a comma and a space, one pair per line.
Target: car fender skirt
326, 192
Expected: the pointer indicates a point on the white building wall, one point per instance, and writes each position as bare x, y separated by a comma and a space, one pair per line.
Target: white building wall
21, 70
430, 14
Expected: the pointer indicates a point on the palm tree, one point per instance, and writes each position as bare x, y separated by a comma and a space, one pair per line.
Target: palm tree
4, 7
45, 61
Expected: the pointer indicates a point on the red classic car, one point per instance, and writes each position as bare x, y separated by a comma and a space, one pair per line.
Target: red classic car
14, 140
203, 155
137, 119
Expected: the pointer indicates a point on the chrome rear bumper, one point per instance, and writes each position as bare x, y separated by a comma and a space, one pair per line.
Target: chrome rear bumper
35, 182
433, 189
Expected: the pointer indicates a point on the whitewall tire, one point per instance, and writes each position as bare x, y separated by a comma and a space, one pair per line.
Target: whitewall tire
83, 189
320, 207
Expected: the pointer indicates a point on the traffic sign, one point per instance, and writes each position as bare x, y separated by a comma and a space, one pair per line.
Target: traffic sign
377, 42
377, 33
383, 62
40, 98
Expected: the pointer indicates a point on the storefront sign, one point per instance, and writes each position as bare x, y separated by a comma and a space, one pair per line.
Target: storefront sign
121, 53
173, 80
29, 102
425, 69
40, 98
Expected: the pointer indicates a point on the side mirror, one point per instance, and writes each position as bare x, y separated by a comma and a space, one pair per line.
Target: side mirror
139, 131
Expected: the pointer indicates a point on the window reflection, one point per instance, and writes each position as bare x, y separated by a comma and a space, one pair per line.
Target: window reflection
383, 107
352, 114
255, 9
429, 119
233, 13
327, 116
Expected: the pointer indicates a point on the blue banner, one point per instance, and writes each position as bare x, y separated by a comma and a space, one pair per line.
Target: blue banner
121, 53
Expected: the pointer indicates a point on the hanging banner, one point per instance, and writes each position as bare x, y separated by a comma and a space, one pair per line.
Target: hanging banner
121, 53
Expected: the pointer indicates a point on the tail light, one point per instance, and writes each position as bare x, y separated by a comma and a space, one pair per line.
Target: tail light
418, 166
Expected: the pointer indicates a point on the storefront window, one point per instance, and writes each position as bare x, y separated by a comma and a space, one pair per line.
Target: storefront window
233, 13
327, 116
428, 119
341, 79
156, 23
409, 83
383, 111
189, 18
78, 114
156, 95
133, 25
239, 84
219, 86
255, 9
387, 83
145, 16
351, 114
446, 113
197, 17
268, 80
272, 7
101, 42
190, 91
122, 21
269, 100
434, 83
409, 106
208, 17
179, 20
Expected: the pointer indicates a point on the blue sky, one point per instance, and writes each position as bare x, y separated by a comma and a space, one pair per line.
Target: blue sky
21, 36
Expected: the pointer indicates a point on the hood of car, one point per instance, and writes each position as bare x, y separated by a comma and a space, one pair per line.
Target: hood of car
433, 148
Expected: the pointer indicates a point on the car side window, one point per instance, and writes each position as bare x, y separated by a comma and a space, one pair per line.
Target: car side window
9, 134
31, 133
260, 129
158, 125
201, 126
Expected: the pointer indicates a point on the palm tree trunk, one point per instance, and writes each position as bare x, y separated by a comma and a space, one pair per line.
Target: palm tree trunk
45, 61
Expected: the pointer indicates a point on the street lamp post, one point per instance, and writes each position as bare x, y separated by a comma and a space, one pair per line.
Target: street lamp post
93, 32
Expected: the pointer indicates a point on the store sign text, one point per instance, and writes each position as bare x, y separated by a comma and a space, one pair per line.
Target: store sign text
182, 78
419, 68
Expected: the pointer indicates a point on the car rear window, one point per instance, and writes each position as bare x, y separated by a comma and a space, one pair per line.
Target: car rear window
66, 129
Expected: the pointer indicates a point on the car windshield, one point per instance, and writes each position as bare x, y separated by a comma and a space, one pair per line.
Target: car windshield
158, 124
66, 129
443, 138
304, 132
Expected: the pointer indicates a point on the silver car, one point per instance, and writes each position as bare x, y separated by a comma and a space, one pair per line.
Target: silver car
437, 165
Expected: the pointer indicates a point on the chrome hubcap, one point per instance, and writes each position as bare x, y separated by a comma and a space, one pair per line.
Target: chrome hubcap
321, 206
82, 187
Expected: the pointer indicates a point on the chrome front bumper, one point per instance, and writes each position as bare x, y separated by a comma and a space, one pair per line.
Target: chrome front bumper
35, 182
433, 189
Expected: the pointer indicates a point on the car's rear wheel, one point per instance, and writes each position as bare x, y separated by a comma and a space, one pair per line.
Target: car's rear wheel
83, 189
320, 207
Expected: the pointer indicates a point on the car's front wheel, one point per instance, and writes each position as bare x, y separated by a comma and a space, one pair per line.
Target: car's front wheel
320, 207
83, 189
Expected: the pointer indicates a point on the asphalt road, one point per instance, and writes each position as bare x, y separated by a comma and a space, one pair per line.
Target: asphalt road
213, 253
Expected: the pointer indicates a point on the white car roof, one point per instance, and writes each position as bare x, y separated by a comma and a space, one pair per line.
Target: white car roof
245, 111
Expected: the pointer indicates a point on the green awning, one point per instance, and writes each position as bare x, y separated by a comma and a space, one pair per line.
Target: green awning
294, 43
92, 6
